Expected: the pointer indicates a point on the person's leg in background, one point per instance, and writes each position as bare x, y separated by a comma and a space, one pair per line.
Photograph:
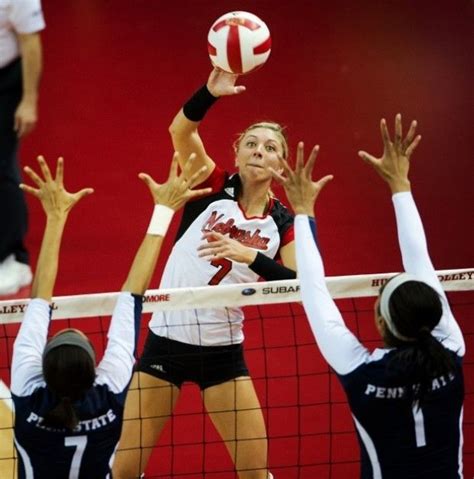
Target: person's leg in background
14, 269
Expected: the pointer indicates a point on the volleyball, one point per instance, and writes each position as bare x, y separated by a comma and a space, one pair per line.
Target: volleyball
239, 42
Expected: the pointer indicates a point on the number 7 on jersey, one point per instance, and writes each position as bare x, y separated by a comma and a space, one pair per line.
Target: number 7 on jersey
80, 442
225, 266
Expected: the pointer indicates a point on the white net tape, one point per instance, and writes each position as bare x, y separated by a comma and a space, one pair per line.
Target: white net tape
287, 291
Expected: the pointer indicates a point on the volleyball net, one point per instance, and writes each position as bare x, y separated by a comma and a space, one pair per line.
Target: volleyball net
309, 426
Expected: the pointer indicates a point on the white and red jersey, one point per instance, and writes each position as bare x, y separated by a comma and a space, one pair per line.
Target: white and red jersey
220, 212
17, 17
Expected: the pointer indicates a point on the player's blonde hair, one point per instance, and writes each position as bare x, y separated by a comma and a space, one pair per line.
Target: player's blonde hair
271, 125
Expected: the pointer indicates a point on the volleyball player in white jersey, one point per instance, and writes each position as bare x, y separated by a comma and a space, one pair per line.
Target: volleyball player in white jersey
231, 236
406, 399
68, 412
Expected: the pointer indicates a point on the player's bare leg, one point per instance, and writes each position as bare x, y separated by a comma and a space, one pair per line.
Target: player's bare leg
150, 402
235, 411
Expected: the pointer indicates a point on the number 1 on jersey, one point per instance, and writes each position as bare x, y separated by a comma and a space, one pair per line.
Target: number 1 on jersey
225, 266
419, 425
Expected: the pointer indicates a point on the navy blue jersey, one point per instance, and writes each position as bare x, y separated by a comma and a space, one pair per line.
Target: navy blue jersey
398, 438
88, 451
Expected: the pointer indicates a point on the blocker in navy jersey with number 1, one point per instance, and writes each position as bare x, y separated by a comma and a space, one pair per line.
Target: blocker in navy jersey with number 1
406, 398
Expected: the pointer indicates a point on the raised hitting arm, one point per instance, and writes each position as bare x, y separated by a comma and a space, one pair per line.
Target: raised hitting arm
184, 128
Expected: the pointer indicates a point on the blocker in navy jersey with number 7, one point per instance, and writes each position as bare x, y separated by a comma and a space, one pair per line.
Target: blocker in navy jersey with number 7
68, 412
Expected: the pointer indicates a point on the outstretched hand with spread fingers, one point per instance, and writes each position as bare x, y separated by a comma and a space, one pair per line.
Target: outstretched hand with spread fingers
56, 201
300, 189
221, 83
177, 189
394, 164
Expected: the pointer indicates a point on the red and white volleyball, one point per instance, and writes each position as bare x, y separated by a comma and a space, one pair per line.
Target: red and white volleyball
239, 42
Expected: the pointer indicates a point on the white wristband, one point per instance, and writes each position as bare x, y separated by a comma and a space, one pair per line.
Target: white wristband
160, 220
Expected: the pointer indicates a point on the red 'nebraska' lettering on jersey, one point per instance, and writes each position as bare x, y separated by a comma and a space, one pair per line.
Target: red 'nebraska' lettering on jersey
247, 238
219, 212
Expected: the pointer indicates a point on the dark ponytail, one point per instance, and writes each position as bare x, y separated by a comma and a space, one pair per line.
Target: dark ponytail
62, 416
69, 371
415, 309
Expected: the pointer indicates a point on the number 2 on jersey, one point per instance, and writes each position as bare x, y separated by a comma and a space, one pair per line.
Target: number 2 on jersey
225, 266
80, 443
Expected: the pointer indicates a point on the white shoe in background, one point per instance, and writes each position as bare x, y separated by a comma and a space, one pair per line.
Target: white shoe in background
13, 276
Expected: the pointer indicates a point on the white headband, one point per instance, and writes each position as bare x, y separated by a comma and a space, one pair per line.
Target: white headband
387, 292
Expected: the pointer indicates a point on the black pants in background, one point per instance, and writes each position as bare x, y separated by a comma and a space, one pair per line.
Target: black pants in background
13, 211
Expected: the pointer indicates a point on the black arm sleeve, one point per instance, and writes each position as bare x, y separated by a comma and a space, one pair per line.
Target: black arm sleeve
196, 107
270, 270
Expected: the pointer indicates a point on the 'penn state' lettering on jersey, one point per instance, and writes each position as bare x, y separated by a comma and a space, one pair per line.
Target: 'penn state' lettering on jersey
397, 392
220, 212
85, 425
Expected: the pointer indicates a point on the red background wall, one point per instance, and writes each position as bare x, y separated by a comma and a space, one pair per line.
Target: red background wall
117, 71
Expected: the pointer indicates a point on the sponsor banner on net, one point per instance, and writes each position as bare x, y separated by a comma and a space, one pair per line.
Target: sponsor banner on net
221, 296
